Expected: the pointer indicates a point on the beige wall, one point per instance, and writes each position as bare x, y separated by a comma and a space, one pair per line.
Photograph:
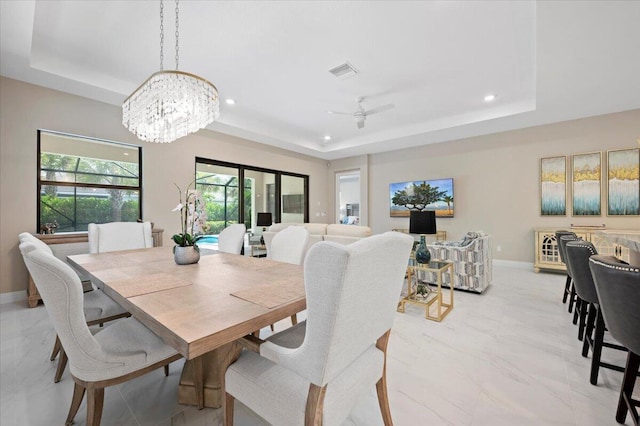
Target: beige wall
496, 179
24, 108
495, 176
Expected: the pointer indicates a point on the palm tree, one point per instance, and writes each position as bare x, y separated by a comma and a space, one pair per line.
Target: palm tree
448, 199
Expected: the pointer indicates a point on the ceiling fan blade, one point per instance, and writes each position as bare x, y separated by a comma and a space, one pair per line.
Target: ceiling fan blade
380, 109
340, 112
360, 124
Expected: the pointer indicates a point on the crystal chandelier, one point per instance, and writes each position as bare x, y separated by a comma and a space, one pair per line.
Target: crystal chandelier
170, 104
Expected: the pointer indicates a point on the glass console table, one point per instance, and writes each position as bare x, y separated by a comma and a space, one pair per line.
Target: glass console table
421, 293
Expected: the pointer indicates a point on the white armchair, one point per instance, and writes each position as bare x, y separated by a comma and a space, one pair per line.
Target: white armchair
314, 373
289, 245
120, 352
231, 239
116, 236
98, 308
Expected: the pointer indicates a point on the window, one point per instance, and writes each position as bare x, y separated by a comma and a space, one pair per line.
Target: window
83, 180
283, 194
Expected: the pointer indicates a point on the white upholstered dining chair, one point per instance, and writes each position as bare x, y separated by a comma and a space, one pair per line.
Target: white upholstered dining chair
313, 373
231, 239
115, 236
122, 351
98, 308
289, 246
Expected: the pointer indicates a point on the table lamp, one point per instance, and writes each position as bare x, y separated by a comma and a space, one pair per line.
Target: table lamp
264, 220
422, 222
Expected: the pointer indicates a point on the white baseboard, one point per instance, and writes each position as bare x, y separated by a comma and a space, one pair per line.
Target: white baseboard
514, 264
14, 296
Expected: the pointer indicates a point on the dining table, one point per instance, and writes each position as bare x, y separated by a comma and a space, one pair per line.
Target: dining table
199, 309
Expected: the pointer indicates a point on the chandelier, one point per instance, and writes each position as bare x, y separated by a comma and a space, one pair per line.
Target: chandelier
170, 104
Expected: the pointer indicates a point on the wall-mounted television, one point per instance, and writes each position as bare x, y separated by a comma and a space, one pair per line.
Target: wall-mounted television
293, 203
420, 195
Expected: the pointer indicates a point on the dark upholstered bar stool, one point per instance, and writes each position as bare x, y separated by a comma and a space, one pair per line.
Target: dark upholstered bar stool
618, 288
577, 259
567, 285
562, 243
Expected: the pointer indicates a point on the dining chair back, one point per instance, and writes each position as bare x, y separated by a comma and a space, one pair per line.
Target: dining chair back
289, 245
115, 236
120, 352
618, 287
98, 308
352, 293
231, 239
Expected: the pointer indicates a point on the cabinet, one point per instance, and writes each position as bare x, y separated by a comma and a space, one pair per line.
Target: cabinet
547, 254
81, 239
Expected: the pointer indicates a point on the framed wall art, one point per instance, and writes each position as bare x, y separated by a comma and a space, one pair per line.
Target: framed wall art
553, 186
436, 194
623, 182
586, 173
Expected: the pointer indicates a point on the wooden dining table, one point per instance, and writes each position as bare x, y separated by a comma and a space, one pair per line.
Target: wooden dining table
200, 309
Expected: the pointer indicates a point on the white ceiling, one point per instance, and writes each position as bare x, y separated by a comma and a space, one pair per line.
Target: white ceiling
546, 61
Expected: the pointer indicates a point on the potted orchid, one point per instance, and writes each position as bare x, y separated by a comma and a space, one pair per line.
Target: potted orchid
186, 250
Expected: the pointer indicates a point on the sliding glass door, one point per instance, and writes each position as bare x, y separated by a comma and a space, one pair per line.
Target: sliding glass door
283, 194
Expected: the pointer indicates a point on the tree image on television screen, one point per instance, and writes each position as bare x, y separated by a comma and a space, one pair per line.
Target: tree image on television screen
418, 197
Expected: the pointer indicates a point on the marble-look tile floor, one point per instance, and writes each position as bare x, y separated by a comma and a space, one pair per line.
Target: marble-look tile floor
508, 357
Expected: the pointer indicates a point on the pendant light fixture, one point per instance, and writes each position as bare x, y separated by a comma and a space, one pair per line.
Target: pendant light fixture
170, 104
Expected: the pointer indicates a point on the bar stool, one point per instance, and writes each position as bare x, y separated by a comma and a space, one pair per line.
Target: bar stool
577, 255
618, 288
562, 243
567, 285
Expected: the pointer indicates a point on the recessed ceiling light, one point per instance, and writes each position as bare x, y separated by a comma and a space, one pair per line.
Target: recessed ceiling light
490, 98
126, 153
327, 138
230, 102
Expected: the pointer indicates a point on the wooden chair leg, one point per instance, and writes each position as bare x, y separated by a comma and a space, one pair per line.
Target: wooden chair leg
588, 332
95, 402
271, 325
78, 395
598, 337
56, 348
582, 319
567, 289
572, 297
166, 370
381, 385
576, 309
315, 404
228, 410
62, 363
294, 319
626, 403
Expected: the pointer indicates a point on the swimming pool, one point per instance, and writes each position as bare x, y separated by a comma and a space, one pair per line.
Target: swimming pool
208, 239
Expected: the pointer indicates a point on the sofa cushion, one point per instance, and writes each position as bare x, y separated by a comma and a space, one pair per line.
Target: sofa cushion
348, 230
313, 228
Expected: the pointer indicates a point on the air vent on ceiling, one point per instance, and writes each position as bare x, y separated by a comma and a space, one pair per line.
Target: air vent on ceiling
343, 71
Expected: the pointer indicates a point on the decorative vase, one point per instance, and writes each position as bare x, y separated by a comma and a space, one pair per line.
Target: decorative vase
186, 255
422, 252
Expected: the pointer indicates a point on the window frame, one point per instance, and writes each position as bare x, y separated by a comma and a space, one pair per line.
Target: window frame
43, 182
278, 185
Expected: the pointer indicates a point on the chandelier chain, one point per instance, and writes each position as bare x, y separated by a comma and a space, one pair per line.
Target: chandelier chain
177, 33
161, 35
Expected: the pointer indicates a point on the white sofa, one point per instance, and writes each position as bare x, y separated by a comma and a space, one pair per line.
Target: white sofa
342, 234
472, 262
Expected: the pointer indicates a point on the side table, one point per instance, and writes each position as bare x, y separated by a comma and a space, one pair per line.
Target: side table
416, 289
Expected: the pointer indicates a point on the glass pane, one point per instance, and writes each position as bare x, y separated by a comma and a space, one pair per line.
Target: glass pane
73, 208
218, 186
259, 198
66, 158
292, 203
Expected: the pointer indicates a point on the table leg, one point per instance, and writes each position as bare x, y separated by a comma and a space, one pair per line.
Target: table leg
208, 391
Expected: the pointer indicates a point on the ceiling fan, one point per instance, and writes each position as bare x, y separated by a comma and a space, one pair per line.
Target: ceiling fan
360, 115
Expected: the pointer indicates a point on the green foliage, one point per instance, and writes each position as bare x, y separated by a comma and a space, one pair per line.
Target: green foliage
185, 240
87, 210
418, 197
